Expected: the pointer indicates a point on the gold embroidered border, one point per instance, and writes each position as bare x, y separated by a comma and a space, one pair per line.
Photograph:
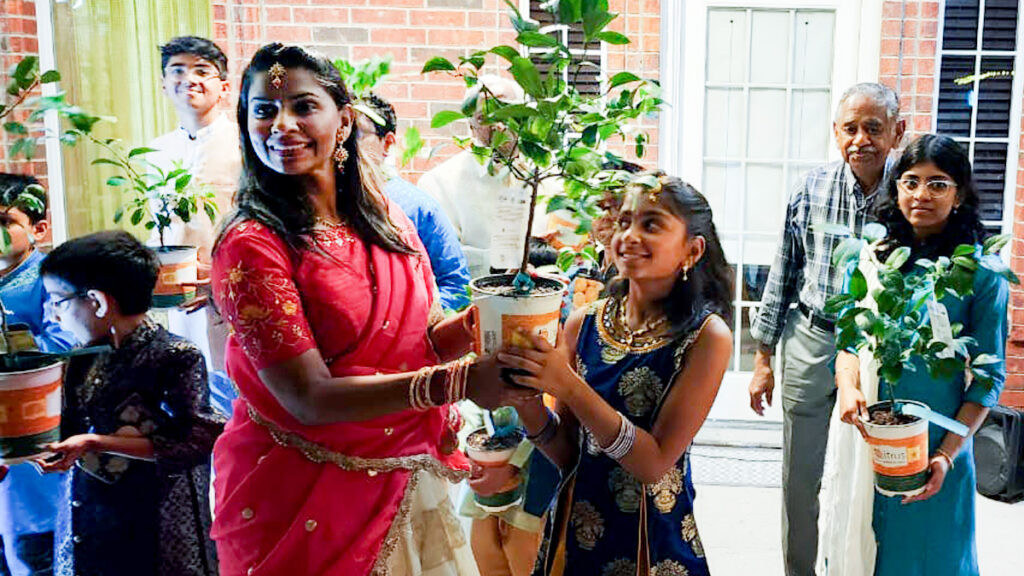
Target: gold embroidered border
317, 453
607, 333
380, 566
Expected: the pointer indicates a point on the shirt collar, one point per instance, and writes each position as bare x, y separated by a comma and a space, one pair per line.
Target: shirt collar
204, 132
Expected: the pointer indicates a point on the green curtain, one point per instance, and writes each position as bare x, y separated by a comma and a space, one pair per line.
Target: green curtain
110, 65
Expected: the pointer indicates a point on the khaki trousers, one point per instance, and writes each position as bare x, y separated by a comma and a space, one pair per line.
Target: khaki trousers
501, 549
808, 395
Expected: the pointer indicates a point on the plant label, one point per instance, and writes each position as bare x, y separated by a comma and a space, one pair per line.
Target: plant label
512, 216
941, 329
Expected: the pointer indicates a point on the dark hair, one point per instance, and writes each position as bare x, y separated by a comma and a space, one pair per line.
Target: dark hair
198, 47
541, 253
386, 111
113, 262
278, 201
964, 225
12, 185
710, 283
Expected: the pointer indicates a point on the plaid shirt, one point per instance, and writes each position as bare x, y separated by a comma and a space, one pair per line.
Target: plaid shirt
803, 268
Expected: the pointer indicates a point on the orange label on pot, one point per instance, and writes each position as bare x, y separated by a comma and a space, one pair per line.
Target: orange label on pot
900, 457
544, 325
168, 280
29, 411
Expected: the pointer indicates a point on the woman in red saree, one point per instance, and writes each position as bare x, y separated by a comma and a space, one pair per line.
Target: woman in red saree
326, 467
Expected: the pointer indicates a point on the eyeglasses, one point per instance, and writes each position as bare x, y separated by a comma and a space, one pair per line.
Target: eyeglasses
936, 188
61, 303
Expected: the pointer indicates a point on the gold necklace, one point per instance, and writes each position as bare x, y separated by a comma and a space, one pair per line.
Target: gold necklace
648, 327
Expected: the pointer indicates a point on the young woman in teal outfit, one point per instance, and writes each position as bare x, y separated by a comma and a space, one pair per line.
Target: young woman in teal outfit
931, 205
634, 375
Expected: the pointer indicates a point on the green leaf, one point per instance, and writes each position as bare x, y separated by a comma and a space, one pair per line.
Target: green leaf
858, 285
526, 74
996, 265
964, 250
137, 217
964, 261
566, 258
836, 303
623, 78
117, 181
613, 37
108, 161
898, 257
516, 111
994, 244
437, 63
507, 52
595, 17
15, 128
211, 211
139, 151
49, 77
118, 214
537, 40
25, 71
986, 359
569, 11
558, 203
445, 117
873, 232
832, 228
181, 182
5, 240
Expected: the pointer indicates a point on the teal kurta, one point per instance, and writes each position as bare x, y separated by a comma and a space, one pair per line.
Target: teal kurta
936, 537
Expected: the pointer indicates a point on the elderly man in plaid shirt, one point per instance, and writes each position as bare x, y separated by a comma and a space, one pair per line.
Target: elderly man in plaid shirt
866, 127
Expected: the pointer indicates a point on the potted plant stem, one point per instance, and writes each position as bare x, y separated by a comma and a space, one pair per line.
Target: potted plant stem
896, 320
558, 135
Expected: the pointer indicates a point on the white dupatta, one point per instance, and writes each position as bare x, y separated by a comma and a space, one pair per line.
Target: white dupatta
846, 540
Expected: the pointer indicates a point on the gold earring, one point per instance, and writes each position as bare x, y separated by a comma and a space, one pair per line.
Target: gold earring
340, 154
685, 270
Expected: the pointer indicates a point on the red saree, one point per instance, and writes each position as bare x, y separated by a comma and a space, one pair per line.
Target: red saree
312, 500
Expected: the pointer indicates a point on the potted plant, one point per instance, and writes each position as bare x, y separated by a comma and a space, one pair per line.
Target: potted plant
886, 319
560, 136
493, 445
156, 197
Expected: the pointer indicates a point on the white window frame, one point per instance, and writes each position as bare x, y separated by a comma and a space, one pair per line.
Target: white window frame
600, 50
1016, 93
857, 44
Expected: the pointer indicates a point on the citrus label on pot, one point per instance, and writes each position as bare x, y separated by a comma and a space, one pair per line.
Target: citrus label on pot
544, 325
171, 277
899, 457
28, 411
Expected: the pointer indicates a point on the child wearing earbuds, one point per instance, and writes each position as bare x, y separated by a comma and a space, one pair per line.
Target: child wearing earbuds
136, 424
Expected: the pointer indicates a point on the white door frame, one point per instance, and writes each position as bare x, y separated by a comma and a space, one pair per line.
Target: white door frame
681, 129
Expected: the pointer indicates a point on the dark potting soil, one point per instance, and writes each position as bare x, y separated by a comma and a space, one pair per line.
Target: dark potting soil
24, 361
481, 441
502, 285
886, 417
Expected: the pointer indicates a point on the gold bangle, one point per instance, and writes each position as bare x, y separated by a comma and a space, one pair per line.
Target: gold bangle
944, 454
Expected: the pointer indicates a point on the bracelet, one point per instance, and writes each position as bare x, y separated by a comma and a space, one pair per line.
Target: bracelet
944, 454
419, 388
624, 441
548, 431
456, 380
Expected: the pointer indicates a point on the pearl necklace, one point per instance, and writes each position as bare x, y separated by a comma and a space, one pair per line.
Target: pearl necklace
648, 328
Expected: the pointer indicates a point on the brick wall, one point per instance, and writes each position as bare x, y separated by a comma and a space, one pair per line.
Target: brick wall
1013, 395
908, 64
17, 40
412, 31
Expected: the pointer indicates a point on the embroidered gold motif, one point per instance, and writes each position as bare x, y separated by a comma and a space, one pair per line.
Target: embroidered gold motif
690, 535
581, 368
626, 489
380, 567
317, 453
680, 352
260, 307
665, 490
640, 388
669, 568
588, 524
611, 354
609, 332
619, 567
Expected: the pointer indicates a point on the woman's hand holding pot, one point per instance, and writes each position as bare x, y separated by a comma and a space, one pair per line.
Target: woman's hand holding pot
852, 407
547, 368
937, 468
488, 390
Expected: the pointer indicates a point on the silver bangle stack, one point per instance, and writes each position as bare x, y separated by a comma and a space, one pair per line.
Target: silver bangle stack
548, 431
456, 381
623, 443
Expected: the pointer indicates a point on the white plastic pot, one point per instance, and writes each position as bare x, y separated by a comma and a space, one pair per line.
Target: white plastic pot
899, 454
500, 316
179, 272
511, 494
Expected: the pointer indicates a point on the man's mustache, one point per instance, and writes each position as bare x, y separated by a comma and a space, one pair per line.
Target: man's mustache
855, 149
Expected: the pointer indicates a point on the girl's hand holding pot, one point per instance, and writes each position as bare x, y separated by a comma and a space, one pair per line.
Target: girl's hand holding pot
547, 368
488, 390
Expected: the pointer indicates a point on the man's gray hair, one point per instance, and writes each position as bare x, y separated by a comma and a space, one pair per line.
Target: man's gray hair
506, 89
878, 92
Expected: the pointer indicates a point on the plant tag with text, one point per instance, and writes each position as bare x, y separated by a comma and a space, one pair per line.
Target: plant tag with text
941, 329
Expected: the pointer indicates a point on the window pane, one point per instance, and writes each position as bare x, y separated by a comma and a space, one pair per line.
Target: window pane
813, 52
723, 185
990, 176
755, 276
761, 251
797, 174
723, 123
748, 346
1000, 25
955, 100
765, 198
767, 124
727, 53
960, 31
770, 39
995, 92
810, 127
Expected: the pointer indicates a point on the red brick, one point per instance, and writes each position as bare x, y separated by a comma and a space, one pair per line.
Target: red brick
889, 66
379, 16
890, 47
387, 36
891, 10
922, 123
929, 29
483, 19
930, 10
438, 18
890, 28
926, 66
1012, 398
438, 91
470, 38
320, 15
220, 12
910, 10
288, 34
925, 85
926, 48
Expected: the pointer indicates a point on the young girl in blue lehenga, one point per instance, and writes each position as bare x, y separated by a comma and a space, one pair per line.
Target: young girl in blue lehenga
634, 375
